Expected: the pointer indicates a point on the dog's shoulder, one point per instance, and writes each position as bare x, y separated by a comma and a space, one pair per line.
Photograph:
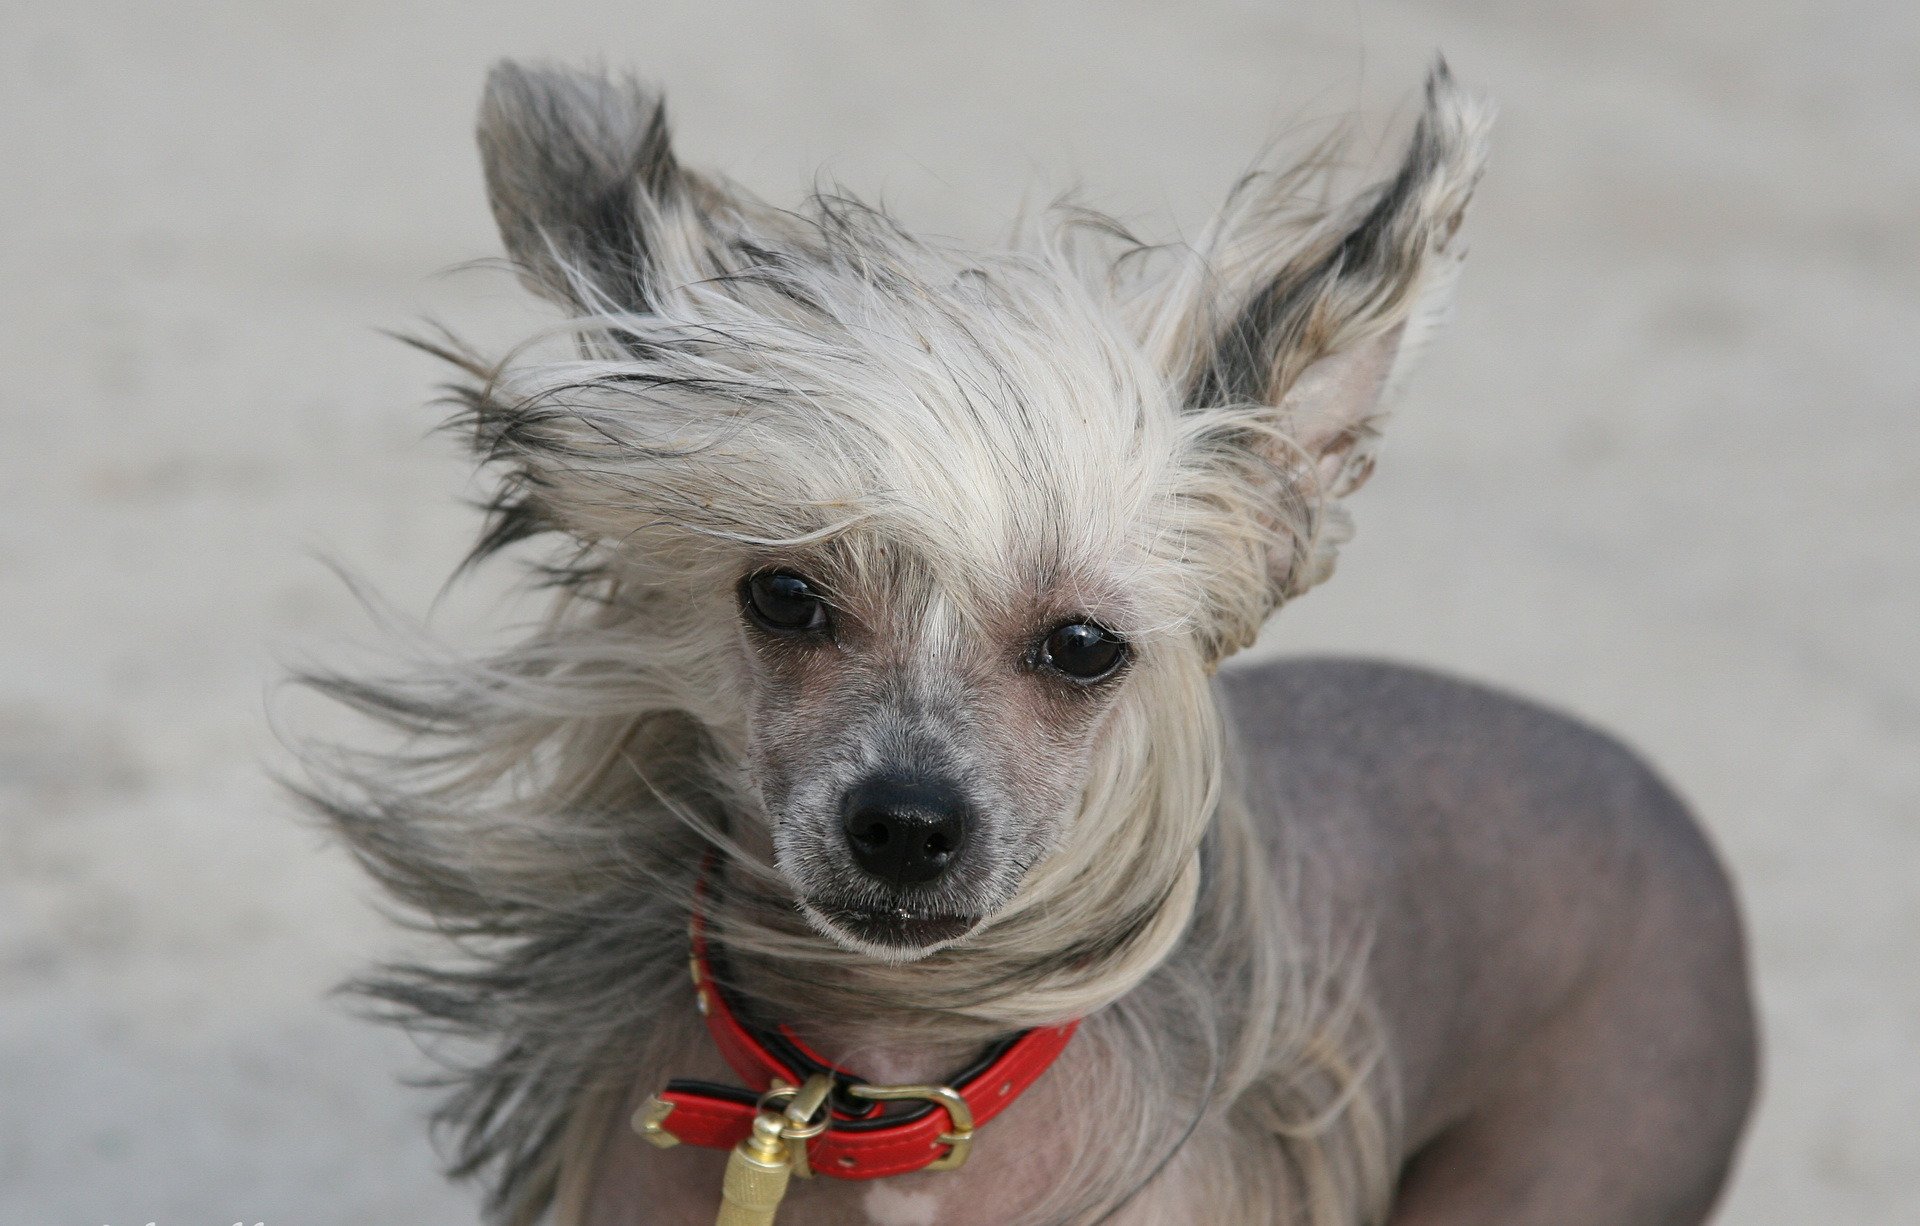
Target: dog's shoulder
1422, 770
1417, 741
1383, 701
1489, 850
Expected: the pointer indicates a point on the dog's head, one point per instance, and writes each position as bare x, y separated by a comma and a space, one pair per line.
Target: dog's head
915, 532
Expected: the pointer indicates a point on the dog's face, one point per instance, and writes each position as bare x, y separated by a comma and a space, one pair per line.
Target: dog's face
913, 528
927, 660
917, 751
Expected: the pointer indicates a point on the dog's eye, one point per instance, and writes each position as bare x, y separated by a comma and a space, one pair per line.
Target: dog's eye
781, 600
1085, 651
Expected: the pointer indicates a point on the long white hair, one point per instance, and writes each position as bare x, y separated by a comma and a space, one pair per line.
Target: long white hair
733, 378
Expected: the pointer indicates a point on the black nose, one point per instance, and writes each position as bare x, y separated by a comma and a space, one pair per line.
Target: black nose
904, 831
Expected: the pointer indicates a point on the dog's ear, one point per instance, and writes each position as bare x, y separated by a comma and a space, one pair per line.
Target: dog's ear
1322, 342
591, 203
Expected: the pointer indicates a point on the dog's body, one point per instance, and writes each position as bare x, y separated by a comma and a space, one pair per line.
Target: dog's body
897, 581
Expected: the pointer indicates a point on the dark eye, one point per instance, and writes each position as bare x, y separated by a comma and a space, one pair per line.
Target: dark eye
1085, 651
783, 601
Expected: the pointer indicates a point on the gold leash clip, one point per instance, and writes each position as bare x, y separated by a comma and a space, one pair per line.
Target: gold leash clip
799, 1122
760, 1167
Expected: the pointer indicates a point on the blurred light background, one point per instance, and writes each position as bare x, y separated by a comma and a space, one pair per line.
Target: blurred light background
1664, 470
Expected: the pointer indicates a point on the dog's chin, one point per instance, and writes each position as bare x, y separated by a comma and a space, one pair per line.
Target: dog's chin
892, 936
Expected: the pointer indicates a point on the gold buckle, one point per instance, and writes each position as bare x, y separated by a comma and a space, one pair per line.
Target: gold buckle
959, 1141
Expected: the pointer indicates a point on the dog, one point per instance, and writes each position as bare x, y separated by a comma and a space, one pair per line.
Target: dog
890, 581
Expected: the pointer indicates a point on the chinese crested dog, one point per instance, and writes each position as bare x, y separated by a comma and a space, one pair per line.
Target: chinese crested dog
890, 580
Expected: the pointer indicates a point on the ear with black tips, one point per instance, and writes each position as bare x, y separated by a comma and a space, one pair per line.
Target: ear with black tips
591, 203
1325, 339
1329, 334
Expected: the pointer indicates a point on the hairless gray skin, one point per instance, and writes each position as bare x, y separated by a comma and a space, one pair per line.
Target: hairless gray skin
1557, 951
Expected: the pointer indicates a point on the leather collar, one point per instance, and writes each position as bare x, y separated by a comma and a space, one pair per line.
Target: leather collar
865, 1131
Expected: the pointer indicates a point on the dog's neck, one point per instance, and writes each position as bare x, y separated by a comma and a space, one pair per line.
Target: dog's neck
885, 1042
871, 1019
883, 1020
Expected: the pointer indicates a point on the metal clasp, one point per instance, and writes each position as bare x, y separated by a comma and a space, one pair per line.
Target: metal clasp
760, 1166
798, 1121
650, 1121
959, 1139
755, 1182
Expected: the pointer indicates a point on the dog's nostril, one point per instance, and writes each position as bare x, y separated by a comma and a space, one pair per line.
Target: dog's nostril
904, 831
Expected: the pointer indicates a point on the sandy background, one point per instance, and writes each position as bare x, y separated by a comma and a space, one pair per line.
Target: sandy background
1665, 470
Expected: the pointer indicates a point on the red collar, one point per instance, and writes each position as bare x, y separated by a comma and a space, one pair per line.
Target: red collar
861, 1131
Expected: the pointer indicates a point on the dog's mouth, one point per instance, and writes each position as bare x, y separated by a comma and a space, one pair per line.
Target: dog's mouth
896, 931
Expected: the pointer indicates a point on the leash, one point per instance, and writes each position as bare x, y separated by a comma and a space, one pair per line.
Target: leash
802, 1115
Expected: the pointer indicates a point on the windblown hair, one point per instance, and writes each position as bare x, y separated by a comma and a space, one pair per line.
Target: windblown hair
734, 380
